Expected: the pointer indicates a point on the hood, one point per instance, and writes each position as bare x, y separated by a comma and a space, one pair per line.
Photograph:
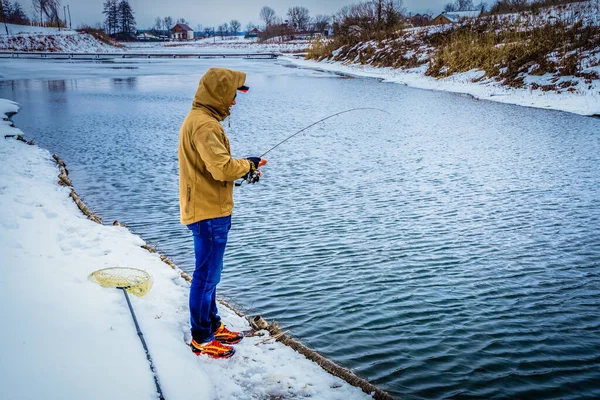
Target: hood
216, 91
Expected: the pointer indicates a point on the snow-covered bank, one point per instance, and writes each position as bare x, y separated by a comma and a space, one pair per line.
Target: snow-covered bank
584, 103
66, 337
547, 57
41, 39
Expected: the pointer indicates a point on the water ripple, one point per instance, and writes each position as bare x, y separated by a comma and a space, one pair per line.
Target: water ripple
450, 251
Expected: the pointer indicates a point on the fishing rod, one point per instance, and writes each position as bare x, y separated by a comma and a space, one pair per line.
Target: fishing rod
256, 174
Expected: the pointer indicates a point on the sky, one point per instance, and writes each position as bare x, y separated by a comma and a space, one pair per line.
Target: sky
213, 13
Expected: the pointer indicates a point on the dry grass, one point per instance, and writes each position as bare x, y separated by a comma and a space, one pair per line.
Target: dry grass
556, 40
508, 53
100, 35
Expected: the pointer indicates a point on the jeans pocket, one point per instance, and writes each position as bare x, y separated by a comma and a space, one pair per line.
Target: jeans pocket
220, 229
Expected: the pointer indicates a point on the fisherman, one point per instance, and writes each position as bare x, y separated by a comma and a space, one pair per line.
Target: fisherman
206, 177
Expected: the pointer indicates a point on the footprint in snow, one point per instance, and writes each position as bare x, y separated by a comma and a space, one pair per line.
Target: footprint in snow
27, 215
9, 223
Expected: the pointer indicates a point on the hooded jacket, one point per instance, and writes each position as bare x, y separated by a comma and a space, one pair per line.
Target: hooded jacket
206, 169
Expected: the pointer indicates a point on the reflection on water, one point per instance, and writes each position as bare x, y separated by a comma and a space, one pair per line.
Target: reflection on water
57, 86
451, 250
20, 87
129, 83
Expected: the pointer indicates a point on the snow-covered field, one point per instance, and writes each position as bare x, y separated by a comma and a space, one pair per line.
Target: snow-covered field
584, 102
34, 38
65, 337
219, 45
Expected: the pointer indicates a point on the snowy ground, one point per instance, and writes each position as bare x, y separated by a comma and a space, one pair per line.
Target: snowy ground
35, 38
64, 337
15, 29
585, 102
219, 45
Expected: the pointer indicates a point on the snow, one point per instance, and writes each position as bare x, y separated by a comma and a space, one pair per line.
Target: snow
586, 101
36, 39
456, 16
14, 29
234, 44
66, 337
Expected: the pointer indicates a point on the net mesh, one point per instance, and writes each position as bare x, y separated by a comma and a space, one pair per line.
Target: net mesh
135, 281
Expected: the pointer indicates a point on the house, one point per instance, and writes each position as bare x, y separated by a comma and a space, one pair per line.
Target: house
452, 17
182, 32
253, 33
420, 19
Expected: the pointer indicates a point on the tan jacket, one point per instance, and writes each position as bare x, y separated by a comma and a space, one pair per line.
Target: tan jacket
206, 169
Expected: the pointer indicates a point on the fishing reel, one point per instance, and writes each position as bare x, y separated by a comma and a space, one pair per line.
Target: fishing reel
250, 177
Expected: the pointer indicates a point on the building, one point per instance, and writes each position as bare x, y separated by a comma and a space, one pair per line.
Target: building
146, 36
254, 33
182, 32
452, 17
420, 19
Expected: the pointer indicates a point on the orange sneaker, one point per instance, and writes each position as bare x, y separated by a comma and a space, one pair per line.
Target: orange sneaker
212, 349
226, 336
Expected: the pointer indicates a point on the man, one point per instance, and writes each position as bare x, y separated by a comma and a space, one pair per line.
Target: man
206, 176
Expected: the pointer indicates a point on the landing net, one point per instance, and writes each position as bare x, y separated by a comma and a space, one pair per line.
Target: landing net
135, 281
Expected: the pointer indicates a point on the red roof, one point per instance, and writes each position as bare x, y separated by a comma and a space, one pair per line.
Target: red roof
183, 27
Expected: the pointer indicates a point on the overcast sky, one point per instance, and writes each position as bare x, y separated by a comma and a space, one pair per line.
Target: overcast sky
215, 12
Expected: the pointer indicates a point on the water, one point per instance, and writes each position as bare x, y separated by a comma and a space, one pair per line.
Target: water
448, 250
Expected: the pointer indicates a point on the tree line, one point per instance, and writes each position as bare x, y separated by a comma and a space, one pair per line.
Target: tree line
48, 12
13, 13
119, 19
503, 6
298, 18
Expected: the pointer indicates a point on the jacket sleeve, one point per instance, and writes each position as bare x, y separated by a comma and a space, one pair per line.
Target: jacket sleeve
216, 157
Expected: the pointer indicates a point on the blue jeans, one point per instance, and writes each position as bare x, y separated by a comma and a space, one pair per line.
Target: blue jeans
210, 239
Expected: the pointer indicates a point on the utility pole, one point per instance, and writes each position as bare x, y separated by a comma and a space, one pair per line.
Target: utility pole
69, 10
4, 18
65, 14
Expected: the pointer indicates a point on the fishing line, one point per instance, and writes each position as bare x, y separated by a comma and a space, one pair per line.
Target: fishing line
254, 177
321, 120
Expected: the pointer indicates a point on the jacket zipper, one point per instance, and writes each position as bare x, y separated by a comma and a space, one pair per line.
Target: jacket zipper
189, 199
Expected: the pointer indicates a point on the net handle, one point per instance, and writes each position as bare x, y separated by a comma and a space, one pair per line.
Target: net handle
141, 336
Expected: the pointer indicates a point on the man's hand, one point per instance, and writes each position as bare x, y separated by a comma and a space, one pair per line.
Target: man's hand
256, 162
254, 174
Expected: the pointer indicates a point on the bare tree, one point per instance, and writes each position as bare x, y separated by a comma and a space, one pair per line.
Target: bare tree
181, 21
226, 28
158, 24
393, 13
168, 23
370, 19
49, 8
464, 5
250, 26
449, 7
235, 26
321, 22
267, 14
299, 17
221, 30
